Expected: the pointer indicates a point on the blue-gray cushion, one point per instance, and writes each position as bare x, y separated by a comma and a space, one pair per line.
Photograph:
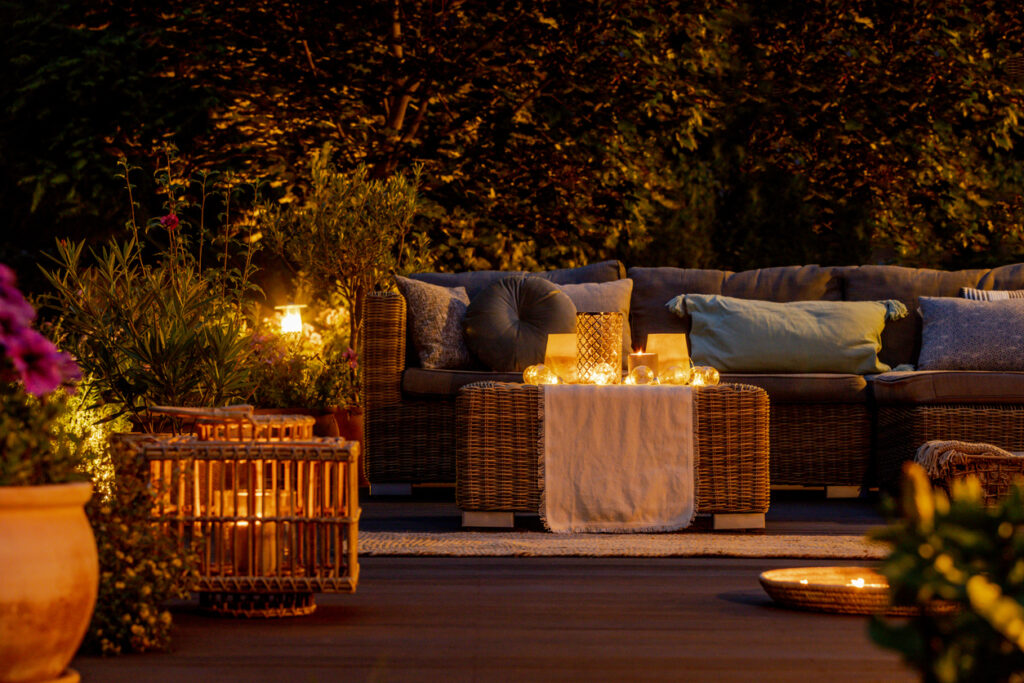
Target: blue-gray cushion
960, 334
508, 323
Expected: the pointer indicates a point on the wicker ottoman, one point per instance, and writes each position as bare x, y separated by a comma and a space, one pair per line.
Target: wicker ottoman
995, 468
497, 451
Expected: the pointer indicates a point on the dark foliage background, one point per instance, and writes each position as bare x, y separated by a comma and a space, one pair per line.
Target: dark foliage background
691, 133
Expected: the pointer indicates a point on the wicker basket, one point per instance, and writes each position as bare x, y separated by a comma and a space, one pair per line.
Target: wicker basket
903, 429
841, 590
272, 521
498, 428
995, 468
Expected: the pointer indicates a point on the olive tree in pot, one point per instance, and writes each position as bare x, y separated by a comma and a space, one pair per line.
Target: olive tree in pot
48, 560
349, 234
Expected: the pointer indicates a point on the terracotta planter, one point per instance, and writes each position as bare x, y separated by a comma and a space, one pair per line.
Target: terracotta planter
50, 575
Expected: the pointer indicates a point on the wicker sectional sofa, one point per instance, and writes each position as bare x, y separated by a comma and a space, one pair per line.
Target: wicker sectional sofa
825, 429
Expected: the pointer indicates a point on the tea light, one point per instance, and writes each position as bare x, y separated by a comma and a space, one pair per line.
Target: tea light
641, 358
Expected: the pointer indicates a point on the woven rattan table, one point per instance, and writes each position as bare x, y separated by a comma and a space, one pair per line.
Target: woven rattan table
497, 453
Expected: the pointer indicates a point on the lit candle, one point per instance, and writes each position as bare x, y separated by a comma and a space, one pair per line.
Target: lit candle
638, 358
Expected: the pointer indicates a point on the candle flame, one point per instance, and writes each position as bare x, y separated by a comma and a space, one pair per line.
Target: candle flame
858, 582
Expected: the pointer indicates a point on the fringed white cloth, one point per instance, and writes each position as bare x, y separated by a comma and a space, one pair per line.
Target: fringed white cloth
934, 456
617, 458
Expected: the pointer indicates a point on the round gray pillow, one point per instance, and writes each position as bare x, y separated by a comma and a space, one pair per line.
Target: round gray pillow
508, 322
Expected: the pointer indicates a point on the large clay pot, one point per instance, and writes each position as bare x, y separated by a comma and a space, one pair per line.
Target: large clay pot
49, 575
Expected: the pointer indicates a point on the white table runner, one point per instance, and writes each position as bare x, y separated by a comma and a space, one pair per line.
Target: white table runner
617, 458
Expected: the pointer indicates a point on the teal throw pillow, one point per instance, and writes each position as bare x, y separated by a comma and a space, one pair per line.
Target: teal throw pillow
747, 335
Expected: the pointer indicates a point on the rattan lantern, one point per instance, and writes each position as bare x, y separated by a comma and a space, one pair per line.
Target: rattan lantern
271, 511
599, 348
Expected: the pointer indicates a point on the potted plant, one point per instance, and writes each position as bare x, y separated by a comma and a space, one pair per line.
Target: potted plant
48, 560
311, 372
349, 234
955, 548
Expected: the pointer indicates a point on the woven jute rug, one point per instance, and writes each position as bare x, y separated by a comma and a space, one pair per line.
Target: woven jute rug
537, 544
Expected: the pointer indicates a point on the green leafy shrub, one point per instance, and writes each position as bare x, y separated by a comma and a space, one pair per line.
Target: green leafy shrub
349, 234
313, 369
159, 329
954, 548
141, 567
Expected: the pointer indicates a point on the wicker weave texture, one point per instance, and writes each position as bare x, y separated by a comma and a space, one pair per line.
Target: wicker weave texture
405, 440
820, 444
995, 468
733, 446
836, 590
904, 429
498, 448
262, 516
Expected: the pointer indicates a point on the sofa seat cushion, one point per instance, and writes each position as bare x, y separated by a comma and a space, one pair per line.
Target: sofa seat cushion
948, 386
440, 383
654, 287
806, 387
475, 281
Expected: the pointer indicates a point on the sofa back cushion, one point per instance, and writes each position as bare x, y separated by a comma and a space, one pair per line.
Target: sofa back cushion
901, 339
744, 335
653, 288
476, 280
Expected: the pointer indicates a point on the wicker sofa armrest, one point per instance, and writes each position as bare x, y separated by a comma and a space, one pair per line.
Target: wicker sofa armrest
383, 334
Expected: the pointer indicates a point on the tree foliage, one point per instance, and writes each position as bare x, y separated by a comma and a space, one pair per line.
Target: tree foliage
685, 132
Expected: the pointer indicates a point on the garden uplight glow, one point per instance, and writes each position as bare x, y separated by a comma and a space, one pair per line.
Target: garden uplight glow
291, 318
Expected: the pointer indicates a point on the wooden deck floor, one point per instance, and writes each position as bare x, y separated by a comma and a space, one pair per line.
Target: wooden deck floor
525, 619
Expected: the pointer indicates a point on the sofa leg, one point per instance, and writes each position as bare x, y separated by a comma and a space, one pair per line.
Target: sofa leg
390, 489
493, 520
737, 520
842, 491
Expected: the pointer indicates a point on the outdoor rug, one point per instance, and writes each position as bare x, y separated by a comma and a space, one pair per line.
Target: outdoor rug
538, 544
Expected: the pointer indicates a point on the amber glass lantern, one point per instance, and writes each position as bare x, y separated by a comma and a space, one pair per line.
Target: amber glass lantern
599, 348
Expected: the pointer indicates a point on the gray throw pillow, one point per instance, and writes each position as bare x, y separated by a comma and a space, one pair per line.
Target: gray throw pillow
960, 334
508, 323
990, 294
605, 297
435, 321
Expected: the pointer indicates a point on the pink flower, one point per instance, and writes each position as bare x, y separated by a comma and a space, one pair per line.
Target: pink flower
41, 366
7, 277
170, 221
352, 357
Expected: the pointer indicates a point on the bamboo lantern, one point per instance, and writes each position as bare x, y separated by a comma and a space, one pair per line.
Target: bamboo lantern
273, 520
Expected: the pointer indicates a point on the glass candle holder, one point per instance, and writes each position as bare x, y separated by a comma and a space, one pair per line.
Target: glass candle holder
599, 346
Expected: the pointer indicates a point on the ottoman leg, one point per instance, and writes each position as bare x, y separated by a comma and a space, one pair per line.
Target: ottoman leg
738, 520
493, 520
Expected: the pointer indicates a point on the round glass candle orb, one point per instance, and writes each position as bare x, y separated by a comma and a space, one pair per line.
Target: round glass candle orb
676, 374
604, 373
539, 374
705, 376
641, 374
